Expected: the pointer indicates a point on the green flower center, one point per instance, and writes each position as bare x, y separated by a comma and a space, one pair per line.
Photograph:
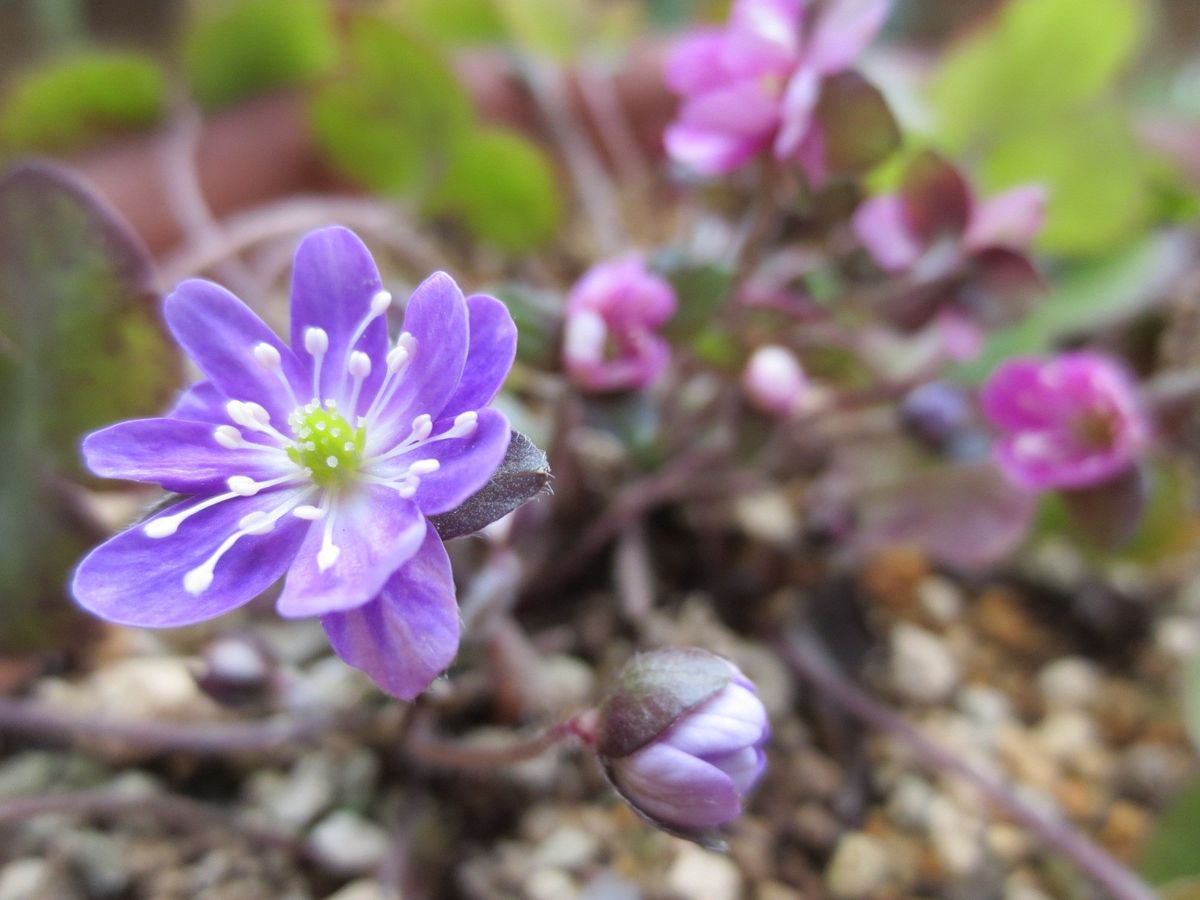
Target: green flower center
325, 444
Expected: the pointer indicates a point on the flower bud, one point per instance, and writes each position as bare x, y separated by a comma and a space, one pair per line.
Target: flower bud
775, 382
681, 739
937, 414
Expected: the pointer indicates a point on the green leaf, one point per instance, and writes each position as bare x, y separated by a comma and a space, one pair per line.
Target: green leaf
1170, 854
1096, 175
1039, 58
504, 189
702, 290
69, 102
387, 119
554, 27
1086, 297
234, 49
538, 315
859, 129
80, 347
457, 21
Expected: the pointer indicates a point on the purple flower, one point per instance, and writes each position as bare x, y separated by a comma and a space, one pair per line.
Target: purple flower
681, 737
775, 381
319, 462
753, 86
1070, 422
610, 342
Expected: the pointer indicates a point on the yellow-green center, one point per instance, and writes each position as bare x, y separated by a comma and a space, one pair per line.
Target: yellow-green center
325, 444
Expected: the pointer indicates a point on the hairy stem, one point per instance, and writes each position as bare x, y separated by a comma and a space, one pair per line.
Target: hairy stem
424, 747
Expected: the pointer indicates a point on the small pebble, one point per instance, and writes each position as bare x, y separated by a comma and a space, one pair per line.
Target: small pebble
860, 867
1070, 683
922, 667
697, 872
941, 599
347, 844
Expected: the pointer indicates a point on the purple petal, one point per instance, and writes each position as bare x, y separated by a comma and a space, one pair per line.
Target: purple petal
733, 719
375, 530
843, 32
178, 455
201, 402
1011, 219
1016, 396
137, 580
490, 353
220, 333
676, 788
744, 767
694, 64
408, 635
710, 152
799, 102
882, 228
437, 318
742, 109
763, 37
333, 282
466, 464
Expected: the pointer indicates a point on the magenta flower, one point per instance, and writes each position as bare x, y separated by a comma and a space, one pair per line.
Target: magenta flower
610, 342
318, 463
681, 737
1070, 422
753, 86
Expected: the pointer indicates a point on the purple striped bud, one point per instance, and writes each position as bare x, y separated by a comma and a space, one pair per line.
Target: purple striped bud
681, 738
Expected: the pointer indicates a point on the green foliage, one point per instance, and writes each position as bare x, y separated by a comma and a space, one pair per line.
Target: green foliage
538, 316
80, 346
68, 102
237, 48
1191, 700
1170, 854
456, 21
702, 290
503, 189
386, 120
1033, 94
553, 27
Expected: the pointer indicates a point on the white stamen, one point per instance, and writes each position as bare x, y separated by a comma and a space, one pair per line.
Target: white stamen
316, 342
380, 303
256, 523
422, 427
397, 357
424, 466
243, 485
328, 555
407, 489
464, 424
331, 461
197, 581
359, 365
267, 356
240, 414
229, 437
308, 513
255, 417
165, 526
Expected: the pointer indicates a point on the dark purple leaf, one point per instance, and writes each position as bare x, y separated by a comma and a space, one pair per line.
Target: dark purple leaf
937, 201
858, 128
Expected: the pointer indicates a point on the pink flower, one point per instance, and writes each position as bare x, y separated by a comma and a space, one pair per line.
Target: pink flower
753, 86
775, 381
610, 342
1070, 422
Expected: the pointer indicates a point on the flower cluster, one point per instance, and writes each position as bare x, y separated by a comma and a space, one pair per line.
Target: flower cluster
681, 737
610, 342
1074, 421
320, 461
753, 86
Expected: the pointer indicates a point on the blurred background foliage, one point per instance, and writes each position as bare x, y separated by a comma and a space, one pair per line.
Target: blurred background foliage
1068, 93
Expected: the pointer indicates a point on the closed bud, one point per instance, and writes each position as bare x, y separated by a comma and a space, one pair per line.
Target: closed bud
775, 382
681, 738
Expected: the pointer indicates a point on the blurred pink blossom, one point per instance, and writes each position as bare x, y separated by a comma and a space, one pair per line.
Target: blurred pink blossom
753, 86
613, 312
775, 381
1070, 422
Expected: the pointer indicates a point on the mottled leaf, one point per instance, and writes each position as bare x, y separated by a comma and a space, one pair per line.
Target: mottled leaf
967, 517
857, 125
523, 475
1170, 854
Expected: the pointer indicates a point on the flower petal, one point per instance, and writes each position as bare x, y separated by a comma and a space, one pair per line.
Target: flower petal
1011, 219
490, 353
694, 64
731, 720
676, 788
375, 530
178, 455
436, 317
220, 333
333, 282
796, 111
882, 227
744, 767
201, 402
1017, 398
843, 32
137, 580
408, 635
465, 464
710, 152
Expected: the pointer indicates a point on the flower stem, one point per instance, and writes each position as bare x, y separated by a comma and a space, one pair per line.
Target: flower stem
808, 658
422, 746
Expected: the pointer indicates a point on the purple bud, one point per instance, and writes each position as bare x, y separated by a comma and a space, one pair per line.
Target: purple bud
681, 738
936, 414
